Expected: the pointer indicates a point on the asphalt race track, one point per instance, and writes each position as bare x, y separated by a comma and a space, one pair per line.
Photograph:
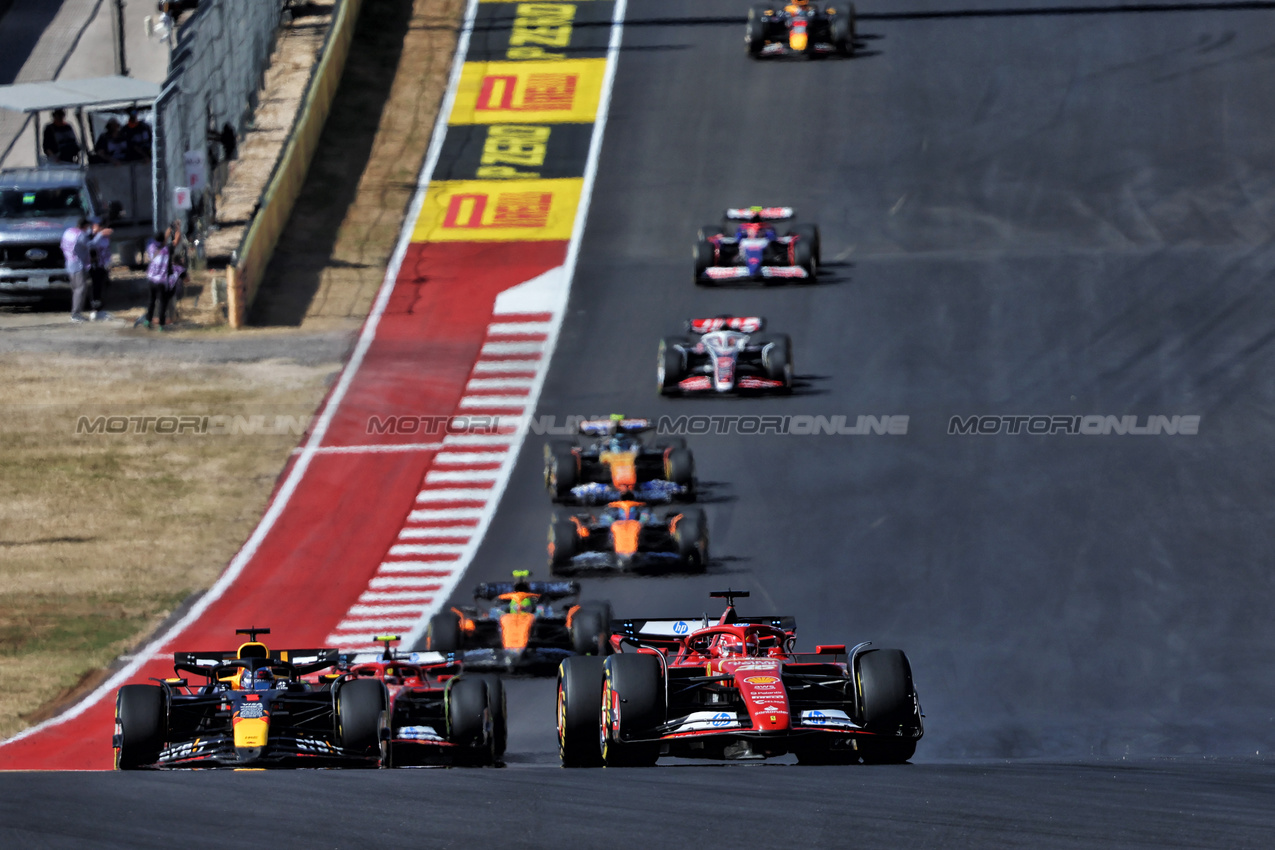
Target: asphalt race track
1028, 208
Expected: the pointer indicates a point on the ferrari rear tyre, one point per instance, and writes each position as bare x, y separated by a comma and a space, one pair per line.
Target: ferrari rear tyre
579, 701
705, 257
142, 716
591, 628
443, 634
563, 543
360, 716
499, 717
691, 534
561, 472
669, 368
469, 718
633, 705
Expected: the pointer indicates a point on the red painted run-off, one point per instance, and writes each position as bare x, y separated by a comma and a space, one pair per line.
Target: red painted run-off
345, 514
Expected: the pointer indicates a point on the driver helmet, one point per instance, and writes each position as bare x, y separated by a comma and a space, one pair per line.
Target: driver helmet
260, 679
728, 645
524, 605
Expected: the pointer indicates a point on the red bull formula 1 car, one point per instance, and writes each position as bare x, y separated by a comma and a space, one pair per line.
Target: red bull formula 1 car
628, 536
523, 631
734, 689
437, 715
748, 246
619, 465
725, 354
800, 28
254, 709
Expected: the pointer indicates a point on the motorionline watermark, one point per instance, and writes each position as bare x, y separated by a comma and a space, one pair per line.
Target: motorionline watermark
215, 425
1090, 425
554, 426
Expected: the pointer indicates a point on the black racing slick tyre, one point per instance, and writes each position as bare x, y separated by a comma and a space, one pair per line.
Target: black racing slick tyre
691, 534
705, 256
887, 705
563, 543
469, 719
679, 467
777, 360
841, 29
669, 366
442, 633
562, 471
755, 31
499, 717
141, 716
809, 233
804, 256
360, 716
579, 705
591, 628
633, 706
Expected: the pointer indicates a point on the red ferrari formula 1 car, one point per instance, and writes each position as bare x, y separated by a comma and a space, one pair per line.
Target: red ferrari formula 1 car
255, 709
724, 354
734, 689
437, 715
628, 536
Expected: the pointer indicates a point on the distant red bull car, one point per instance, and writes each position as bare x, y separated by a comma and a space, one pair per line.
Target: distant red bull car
725, 354
733, 690
800, 28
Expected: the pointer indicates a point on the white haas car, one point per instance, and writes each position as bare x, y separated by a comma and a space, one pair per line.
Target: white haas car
725, 354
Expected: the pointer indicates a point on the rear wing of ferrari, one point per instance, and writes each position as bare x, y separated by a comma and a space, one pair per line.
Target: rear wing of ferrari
301, 661
545, 589
760, 214
669, 629
743, 324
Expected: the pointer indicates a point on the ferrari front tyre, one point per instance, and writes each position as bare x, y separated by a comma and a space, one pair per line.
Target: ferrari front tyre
691, 534
563, 540
887, 705
499, 717
669, 369
633, 706
579, 698
705, 255
469, 719
360, 716
591, 628
442, 634
562, 471
142, 717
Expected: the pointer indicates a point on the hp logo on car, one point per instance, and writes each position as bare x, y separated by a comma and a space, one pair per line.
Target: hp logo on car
680, 627
816, 718
720, 719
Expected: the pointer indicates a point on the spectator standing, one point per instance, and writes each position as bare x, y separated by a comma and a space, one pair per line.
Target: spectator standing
138, 134
164, 275
112, 146
60, 143
75, 249
99, 265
